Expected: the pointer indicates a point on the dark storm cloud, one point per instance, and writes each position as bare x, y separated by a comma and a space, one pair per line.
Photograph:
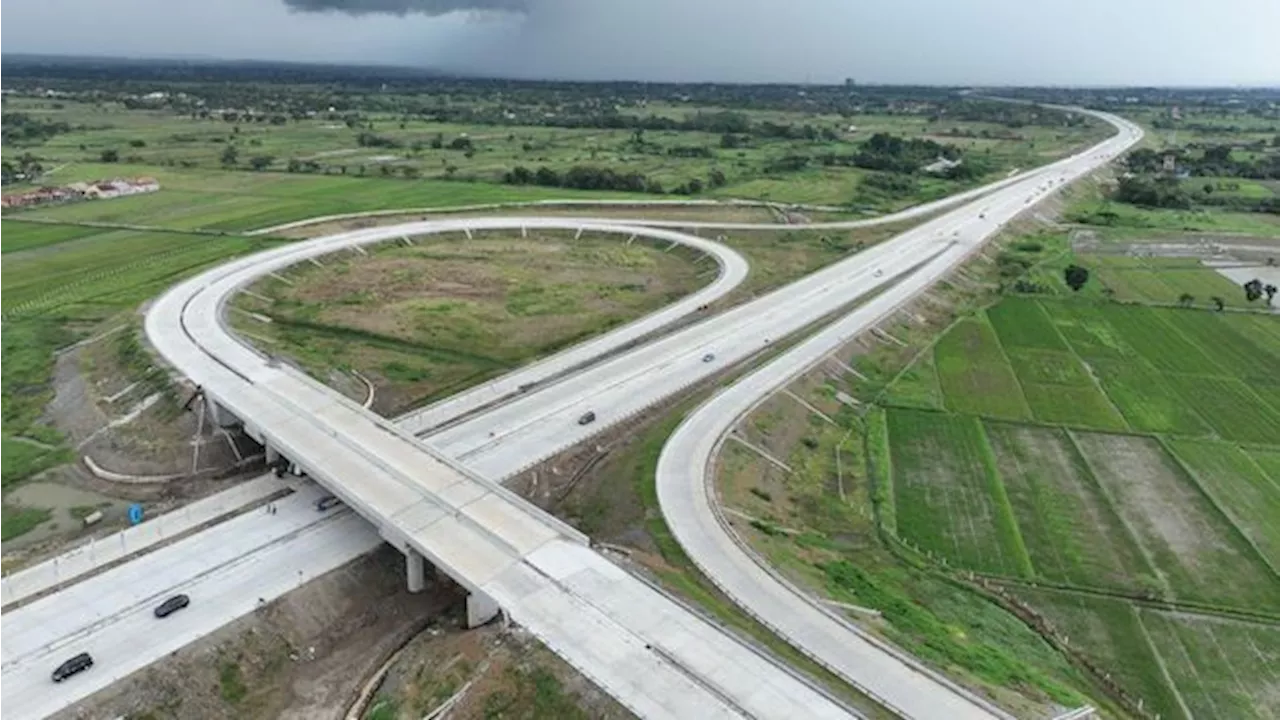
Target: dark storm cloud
1184, 42
406, 7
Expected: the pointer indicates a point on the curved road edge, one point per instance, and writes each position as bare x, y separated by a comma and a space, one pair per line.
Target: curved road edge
687, 498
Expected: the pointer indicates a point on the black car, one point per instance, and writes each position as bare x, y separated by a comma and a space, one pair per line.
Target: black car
172, 605
80, 662
590, 417
326, 502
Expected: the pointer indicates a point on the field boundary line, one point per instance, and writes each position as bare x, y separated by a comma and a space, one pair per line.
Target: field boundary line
1008, 361
1093, 376
1207, 495
1198, 609
1000, 495
1114, 507
1160, 663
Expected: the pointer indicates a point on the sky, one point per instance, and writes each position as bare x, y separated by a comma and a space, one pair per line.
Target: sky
956, 42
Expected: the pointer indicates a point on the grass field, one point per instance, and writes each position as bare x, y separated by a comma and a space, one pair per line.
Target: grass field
1221, 669
107, 267
1071, 532
1023, 324
1231, 408
1111, 633
948, 494
1197, 552
1240, 487
975, 376
1109, 214
148, 137
1146, 399
427, 320
237, 201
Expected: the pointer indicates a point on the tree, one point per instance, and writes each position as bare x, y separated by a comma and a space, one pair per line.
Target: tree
1186, 299
1270, 291
1217, 301
1252, 290
716, 178
110, 155
1075, 277
261, 162
230, 155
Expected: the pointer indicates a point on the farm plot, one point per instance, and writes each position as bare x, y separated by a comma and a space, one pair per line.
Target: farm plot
1086, 330
18, 236
1221, 668
1235, 354
974, 374
1136, 285
1198, 555
1071, 532
1110, 632
1233, 410
1022, 323
232, 201
948, 496
917, 386
109, 267
1269, 461
1239, 487
1145, 398
1058, 389
1202, 284
1147, 332
1264, 330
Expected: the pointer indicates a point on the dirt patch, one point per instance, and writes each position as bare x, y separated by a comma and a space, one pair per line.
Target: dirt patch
302, 657
488, 672
120, 410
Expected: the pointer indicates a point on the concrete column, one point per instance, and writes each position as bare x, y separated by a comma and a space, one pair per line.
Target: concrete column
218, 414
415, 567
480, 609
273, 455
215, 410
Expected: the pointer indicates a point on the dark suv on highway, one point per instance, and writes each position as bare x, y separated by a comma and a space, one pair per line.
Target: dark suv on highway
80, 662
172, 605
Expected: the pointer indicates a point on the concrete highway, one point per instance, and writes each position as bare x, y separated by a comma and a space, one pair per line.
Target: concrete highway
224, 569
509, 438
544, 419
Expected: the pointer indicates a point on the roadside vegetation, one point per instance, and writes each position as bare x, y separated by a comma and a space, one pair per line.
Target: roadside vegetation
1074, 441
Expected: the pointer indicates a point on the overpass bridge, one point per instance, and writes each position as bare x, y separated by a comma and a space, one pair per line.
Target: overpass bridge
655, 656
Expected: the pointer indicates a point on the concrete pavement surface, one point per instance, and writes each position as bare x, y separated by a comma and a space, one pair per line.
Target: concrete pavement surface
88, 557
506, 552
111, 615
686, 496
733, 698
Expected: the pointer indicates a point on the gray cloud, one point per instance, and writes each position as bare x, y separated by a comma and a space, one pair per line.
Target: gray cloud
1184, 42
406, 7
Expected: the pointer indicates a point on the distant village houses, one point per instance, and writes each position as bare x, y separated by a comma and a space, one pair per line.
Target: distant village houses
97, 190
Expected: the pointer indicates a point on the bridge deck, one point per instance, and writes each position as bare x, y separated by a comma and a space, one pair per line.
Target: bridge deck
655, 656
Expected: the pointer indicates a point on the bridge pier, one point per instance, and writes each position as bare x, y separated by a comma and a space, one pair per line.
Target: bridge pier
218, 415
480, 609
415, 568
